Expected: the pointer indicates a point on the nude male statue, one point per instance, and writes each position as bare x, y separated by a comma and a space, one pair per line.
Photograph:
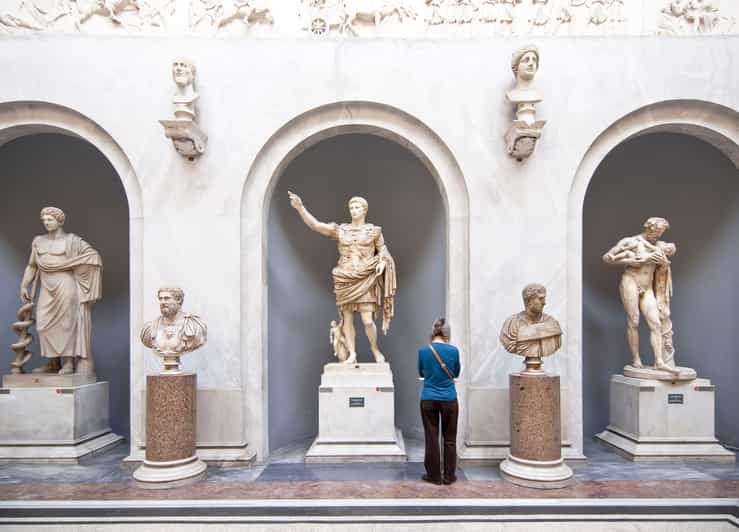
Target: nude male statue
646, 286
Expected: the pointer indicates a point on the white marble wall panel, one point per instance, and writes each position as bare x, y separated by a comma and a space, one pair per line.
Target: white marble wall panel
523, 219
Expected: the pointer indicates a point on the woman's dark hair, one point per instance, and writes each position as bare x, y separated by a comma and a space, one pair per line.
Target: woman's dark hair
441, 328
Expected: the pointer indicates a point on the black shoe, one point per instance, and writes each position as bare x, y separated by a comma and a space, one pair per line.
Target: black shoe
450, 480
427, 478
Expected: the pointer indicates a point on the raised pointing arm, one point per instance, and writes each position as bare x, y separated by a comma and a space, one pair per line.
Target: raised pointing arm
310, 220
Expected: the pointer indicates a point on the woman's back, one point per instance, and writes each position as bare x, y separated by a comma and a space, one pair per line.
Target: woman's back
437, 385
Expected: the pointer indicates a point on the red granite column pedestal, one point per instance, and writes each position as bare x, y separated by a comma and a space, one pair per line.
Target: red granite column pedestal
535, 459
170, 432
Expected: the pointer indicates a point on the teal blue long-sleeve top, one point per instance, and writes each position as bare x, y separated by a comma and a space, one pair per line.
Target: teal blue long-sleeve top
437, 386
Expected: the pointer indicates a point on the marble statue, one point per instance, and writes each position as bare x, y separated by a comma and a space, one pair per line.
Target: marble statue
67, 273
364, 278
532, 333
188, 139
646, 286
526, 129
174, 333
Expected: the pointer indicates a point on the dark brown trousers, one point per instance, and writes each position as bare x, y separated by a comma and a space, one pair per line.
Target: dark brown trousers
448, 411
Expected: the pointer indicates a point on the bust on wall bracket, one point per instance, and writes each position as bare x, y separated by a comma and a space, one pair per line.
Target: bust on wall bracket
188, 138
525, 130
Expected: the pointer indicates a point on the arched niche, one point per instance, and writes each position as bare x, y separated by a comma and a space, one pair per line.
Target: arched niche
52, 155
283, 147
676, 159
405, 201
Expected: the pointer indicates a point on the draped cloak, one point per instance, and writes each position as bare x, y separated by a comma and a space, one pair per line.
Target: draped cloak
356, 283
191, 332
533, 340
68, 285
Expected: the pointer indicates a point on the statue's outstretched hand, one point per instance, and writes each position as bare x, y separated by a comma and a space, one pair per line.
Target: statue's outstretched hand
295, 201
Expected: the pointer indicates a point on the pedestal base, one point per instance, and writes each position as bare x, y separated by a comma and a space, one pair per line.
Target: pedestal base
54, 425
535, 460
170, 432
536, 474
160, 475
356, 416
38, 380
662, 420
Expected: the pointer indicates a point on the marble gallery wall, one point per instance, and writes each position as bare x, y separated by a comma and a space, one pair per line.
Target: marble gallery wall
67, 172
696, 187
205, 224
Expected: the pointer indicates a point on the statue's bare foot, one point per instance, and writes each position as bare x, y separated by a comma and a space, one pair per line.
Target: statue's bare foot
352, 358
85, 367
378, 356
637, 363
52, 366
68, 367
664, 367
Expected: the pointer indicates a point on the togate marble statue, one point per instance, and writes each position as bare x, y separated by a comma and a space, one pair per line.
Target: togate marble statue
188, 139
526, 129
646, 286
364, 278
532, 333
174, 333
64, 277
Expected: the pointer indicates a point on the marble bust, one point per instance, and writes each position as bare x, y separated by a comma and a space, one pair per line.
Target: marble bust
646, 287
183, 101
364, 278
532, 333
187, 137
175, 332
525, 64
526, 129
66, 272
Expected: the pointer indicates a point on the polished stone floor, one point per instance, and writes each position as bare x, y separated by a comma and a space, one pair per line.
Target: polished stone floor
287, 465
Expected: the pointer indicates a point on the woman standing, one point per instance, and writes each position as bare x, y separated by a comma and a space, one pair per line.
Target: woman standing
438, 364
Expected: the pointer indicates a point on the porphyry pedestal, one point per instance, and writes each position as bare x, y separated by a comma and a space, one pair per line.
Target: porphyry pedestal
653, 419
170, 432
53, 418
356, 416
535, 460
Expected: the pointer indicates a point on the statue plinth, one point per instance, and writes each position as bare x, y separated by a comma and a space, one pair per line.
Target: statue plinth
663, 420
53, 422
649, 372
535, 459
356, 415
170, 433
36, 380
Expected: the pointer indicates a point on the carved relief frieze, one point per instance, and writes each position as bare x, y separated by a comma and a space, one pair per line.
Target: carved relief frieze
688, 17
372, 18
82, 15
213, 15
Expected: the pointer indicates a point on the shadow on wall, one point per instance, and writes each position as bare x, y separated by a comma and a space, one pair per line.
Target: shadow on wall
66, 172
404, 199
696, 188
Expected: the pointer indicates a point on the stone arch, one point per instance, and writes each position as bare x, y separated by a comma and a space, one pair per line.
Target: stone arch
710, 122
18, 119
292, 139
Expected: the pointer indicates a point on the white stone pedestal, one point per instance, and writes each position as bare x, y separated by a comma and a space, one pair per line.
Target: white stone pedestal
57, 425
663, 420
356, 416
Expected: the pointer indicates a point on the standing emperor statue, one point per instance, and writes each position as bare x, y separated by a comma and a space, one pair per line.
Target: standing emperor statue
68, 274
364, 278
